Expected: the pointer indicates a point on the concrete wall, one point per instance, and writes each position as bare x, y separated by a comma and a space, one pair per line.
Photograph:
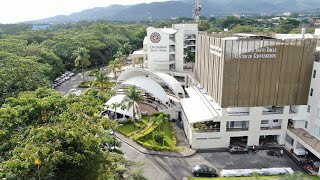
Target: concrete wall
158, 52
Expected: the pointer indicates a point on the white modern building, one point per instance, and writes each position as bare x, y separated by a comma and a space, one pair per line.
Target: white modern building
167, 48
250, 89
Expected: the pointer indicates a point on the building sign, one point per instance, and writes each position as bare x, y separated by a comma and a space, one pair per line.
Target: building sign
158, 48
155, 37
261, 53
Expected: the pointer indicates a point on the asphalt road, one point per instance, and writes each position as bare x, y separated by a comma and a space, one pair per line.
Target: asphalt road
171, 168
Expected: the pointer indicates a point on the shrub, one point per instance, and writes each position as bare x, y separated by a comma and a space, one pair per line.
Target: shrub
156, 147
93, 73
158, 136
153, 126
85, 84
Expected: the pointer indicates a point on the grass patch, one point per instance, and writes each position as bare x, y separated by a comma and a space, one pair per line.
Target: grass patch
130, 129
93, 73
168, 144
85, 84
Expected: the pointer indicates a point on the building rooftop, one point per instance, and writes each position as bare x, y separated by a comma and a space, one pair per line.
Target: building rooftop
199, 107
168, 30
139, 52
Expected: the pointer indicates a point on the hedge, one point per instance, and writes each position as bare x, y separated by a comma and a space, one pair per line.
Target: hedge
153, 126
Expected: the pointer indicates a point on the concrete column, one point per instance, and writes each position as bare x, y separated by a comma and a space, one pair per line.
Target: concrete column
254, 126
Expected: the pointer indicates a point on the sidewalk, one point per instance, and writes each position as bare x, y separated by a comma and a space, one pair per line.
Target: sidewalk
186, 153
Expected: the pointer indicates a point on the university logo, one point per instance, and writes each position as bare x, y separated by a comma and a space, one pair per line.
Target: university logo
155, 37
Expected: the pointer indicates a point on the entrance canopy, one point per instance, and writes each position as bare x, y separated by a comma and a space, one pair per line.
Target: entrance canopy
149, 86
119, 98
168, 80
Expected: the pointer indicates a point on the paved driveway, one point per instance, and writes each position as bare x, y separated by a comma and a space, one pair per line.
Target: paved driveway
225, 160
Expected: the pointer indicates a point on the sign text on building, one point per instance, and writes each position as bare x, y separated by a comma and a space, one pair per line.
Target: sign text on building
154, 48
261, 53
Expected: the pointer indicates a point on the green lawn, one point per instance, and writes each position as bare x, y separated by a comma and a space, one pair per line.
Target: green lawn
85, 84
169, 139
130, 129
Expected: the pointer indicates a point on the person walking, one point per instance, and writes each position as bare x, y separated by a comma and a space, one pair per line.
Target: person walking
281, 152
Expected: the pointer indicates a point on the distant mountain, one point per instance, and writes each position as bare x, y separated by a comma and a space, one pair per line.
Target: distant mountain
182, 8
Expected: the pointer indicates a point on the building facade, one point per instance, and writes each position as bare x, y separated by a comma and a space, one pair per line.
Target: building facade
167, 48
250, 88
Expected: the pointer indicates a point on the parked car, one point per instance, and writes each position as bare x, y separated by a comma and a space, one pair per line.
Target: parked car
239, 150
273, 153
204, 171
235, 145
111, 148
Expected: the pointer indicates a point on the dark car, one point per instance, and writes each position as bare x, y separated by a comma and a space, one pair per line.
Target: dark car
239, 150
204, 171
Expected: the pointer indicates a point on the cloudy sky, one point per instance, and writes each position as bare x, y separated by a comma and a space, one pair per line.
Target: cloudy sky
22, 10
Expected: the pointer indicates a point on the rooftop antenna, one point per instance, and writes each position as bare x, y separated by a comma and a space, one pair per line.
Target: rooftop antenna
196, 11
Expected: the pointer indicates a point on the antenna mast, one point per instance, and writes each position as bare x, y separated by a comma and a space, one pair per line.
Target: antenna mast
196, 11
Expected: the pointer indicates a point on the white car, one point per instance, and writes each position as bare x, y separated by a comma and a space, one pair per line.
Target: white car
75, 92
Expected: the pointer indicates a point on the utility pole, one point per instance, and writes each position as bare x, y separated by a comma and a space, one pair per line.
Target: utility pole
196, 11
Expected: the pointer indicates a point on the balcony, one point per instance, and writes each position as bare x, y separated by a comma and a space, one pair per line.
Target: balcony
208, 126
237, 126
274, 124
272, 110
239, 111
188, 44
190, 37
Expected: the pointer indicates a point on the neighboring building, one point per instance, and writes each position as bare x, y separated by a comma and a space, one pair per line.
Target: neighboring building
40, 26
247, 87
167, 48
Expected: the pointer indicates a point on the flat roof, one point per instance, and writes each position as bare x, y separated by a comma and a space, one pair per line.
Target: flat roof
168, 30
139, 52
199, 107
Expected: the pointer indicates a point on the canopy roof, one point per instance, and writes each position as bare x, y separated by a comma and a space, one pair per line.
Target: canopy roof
199, 107
150, 86
168, 80
118, 99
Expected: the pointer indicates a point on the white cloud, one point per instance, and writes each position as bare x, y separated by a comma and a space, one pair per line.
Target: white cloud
22, 10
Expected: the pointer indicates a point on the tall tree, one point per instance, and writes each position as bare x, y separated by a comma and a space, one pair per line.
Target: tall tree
101, 78
82, 59
119, 56
114, 66
126, 49
133, 97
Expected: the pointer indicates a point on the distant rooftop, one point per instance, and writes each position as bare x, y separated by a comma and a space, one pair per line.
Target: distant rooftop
236, 36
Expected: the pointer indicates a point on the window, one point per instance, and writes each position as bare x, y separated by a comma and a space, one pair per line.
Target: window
308, 110
276, 120
314, 73
306, 125
265, 122
317, 131
311, 92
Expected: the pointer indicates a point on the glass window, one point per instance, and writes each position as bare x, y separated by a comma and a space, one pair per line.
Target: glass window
306, 124
311, 92
317, 131
264, 121
308, 110
314, 73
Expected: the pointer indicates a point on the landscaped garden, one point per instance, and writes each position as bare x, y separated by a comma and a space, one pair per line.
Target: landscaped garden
85, 84
155, 133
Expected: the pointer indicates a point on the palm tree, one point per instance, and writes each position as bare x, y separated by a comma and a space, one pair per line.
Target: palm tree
113, 66
133, 96
119, 56
126, 49
82, 60
101, 78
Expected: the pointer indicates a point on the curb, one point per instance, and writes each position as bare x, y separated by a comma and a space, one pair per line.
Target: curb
147, 153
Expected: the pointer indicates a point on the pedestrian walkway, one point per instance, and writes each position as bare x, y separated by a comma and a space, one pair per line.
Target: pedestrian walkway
187, 152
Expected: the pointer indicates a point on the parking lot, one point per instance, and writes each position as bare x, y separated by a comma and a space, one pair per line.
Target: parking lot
260, 159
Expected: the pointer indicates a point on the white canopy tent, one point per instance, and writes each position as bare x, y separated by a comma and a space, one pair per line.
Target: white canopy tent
118, 99
168, 80
149, 86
